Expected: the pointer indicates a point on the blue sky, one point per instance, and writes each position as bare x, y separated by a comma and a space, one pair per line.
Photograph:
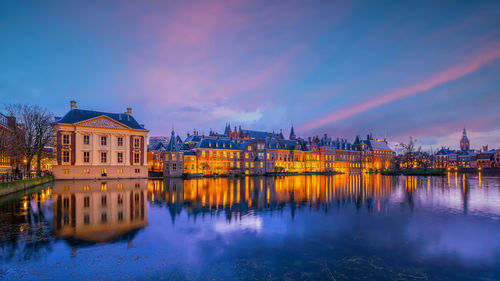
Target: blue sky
423, 69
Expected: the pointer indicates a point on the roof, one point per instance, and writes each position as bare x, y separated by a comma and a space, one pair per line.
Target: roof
217, 143
373, 144
259, 134
78, 115
445, 151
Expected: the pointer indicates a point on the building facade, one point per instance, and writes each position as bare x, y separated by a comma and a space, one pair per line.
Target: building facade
99, 145
6, 163
258, 153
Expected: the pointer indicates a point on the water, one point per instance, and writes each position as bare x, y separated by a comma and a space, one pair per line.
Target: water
302, 227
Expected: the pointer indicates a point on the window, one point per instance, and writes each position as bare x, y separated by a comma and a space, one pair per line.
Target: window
120, 199
86, 219
174, 158
136, 198
120, 171
120, 157
120, 216
103, 140
86, 156
137, 143
86, 202
66, 171
174, 166
103, 173
86, 140
203, 153
137, 171
103, 157
65, 139
66, 219
246, 155
104, 217
136, 158
104, 200
120, 141
65, 156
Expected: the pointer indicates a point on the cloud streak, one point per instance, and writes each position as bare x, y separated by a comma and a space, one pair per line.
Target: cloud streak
445, 76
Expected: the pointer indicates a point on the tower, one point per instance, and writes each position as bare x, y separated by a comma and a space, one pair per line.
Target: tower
292, 134
464, 142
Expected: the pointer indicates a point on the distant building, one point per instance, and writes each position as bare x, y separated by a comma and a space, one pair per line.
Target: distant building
464, 142
153, 141
92, 144
5, 130
486, 159
258, 153
463, 158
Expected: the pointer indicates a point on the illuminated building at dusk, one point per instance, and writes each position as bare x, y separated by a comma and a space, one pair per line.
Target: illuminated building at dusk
257, 153
5, 161
466, 157
91, 144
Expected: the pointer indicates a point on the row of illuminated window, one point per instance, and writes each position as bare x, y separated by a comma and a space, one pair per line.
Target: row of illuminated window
104, 157
104, 140
104, 200
104, 172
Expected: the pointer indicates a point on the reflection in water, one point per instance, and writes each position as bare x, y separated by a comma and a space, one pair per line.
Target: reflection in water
25, 226
237, 196
95, 211
304, 227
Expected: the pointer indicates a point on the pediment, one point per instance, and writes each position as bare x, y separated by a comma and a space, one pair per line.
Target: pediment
102, 122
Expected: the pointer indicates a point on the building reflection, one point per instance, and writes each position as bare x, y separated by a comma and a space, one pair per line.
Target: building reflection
236, 196
98, 211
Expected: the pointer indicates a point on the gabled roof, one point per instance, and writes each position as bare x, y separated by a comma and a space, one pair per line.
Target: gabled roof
78, 115
373, 144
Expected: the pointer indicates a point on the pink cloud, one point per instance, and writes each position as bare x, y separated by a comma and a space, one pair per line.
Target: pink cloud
440, 78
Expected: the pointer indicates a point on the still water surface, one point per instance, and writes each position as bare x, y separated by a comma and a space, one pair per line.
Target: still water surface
338, 227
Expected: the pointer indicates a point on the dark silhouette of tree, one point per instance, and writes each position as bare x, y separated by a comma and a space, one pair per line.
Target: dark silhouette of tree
30, 135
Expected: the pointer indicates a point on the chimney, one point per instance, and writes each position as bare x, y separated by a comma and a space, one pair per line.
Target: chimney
72, 104
129, 111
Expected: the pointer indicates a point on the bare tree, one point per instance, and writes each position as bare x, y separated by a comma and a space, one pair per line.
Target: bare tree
408, 152
31, 134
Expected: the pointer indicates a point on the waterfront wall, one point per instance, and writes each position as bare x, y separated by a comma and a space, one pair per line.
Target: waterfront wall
15, 186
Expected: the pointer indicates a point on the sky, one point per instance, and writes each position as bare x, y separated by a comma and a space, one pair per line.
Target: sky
396, 69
